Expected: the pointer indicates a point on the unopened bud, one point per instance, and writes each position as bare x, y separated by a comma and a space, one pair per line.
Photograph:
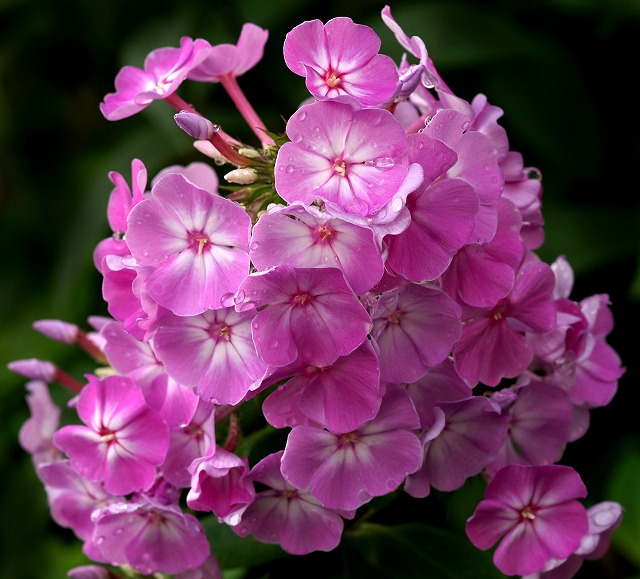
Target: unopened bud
58, 330
195, 126
34, 369
244, 176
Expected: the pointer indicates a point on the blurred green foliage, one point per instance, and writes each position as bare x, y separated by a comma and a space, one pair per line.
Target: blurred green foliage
563, 71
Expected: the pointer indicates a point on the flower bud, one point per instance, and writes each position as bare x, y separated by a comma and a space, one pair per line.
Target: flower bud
244, 176
195, 126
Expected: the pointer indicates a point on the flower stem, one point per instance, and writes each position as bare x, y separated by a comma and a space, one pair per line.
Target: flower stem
230, 83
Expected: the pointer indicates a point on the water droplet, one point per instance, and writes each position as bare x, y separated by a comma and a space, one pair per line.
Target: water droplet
254, 245
118, 531
465, 125
296, 138
289, 169
302, 115
273, 345
385, 163
256, 325
99, 540
420, 145
316, 129
215, 128
226, 301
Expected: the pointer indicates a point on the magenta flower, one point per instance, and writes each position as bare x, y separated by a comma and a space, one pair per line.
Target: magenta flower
535, 511
232, 59
344, 471
123, 440
164, 71
415, 328
150, 537
219, 484
312, 314
188, 442
341, 58
492, 345
346, 156
286, 515
72, 498
212, 352
464, 438
196, 242
318, 396
36, 433
301, 236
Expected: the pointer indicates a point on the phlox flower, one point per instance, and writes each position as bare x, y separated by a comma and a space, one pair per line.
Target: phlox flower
311, 314
219, 484
442, 215
481, 274
304, 236
196, 243
72, 498
339, 58
150, 537
344, 155
539, 426
604, 518
123, 441
130, 357
344, 471
164, 71
232, 59
188, 442
464, 437
415, 328
36, 433
493, 345
212, 352
535, 512
339, 397
288, 516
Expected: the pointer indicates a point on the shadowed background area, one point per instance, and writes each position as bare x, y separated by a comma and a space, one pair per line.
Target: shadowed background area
562, 71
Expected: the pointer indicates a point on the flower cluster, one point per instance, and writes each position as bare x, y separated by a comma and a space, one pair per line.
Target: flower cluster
368, 280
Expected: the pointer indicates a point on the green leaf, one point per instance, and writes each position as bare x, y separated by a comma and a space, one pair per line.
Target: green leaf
415, 550
233, 551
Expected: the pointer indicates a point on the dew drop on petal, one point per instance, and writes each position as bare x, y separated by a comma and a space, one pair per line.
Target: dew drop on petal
302, 115
99, 540
289, 169
420, 145
254, 245
243, 531
227, 300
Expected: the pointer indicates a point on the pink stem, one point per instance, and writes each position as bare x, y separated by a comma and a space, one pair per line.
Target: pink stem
230, 83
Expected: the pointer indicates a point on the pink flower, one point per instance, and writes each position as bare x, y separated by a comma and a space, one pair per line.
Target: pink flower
196, 243
150, 537
164, 71
311, 314
219, 484
341, 58
415, 328
344, 471
286, 515
317, 395
344, 155
123, 440
535, 511
232, 59
212, 352
36, 434
301, 236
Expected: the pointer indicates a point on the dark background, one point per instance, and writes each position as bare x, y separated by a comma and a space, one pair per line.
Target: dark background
563, 71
